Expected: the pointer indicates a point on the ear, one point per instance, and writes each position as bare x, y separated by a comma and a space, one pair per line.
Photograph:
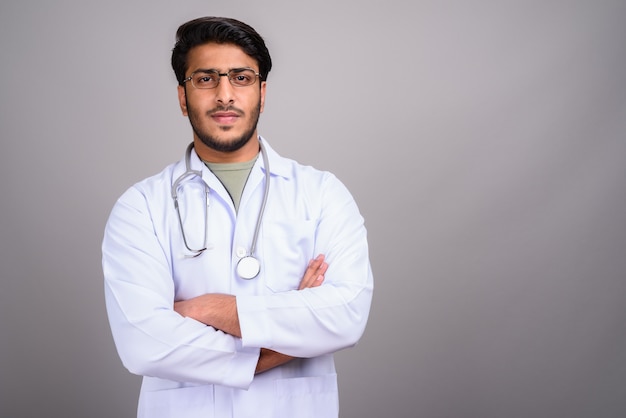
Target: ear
263, 87
182, 100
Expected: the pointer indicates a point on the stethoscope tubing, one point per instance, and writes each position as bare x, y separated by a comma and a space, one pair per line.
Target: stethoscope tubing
243, 266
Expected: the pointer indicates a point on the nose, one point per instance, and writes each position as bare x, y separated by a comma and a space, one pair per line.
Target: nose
224, 93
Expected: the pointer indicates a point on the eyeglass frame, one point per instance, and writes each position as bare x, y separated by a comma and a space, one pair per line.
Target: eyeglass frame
219, 77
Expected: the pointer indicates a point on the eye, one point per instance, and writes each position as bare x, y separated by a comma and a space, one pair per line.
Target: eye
201, 80
243, 77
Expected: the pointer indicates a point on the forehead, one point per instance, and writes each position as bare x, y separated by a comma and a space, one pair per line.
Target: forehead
218, 56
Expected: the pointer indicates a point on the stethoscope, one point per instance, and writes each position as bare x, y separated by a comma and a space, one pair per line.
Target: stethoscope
248, 266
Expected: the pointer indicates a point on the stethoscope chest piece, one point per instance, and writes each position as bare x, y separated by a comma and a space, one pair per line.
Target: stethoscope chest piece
248, 267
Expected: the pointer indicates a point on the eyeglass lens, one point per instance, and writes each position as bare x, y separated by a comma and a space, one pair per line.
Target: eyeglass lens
210, 79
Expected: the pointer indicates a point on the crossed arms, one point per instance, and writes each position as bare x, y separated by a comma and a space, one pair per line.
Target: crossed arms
216, 339
220, 311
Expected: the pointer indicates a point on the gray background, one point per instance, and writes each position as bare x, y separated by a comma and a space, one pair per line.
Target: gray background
483, 140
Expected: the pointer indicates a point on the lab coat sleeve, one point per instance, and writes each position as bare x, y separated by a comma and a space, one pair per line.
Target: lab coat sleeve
325, 319
151, 338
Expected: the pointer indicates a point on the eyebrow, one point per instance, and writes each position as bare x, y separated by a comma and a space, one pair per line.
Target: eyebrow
215, 70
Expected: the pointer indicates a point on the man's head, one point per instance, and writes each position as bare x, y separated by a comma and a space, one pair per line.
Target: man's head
221, 66
219, 30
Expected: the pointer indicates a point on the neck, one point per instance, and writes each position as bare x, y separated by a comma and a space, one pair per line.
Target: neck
246, 153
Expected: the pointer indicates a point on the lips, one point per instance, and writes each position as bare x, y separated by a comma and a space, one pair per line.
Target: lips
225, 118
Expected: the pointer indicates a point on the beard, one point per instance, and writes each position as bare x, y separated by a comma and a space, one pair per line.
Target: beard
213, 141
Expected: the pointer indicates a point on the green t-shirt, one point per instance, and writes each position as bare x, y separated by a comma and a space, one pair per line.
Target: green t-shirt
233, 176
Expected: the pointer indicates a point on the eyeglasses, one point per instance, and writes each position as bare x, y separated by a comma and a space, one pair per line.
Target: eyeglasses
209, 79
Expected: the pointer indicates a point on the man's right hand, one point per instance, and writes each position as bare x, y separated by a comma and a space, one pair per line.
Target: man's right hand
314, 274
313, 277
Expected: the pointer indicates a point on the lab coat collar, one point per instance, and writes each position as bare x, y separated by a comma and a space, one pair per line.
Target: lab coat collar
278, 165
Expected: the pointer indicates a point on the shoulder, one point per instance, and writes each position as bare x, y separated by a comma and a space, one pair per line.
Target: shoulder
292, 170
306, 181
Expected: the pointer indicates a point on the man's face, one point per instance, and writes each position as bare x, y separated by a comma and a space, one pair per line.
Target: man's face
223, 118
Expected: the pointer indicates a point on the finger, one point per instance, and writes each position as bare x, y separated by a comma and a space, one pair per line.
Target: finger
319, 279
311, 272
315, 279
312, 267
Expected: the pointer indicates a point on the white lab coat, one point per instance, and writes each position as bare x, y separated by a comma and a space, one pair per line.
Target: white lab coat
193, 370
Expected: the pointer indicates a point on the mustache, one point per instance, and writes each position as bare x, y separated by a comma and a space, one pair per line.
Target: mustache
232, 109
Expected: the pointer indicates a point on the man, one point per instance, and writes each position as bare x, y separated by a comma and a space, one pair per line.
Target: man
230, 280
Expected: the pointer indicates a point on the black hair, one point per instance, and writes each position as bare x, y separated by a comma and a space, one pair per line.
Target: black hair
220, 30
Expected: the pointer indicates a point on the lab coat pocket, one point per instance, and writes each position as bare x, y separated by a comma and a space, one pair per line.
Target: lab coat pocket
288, 246
311, 397
194, 401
